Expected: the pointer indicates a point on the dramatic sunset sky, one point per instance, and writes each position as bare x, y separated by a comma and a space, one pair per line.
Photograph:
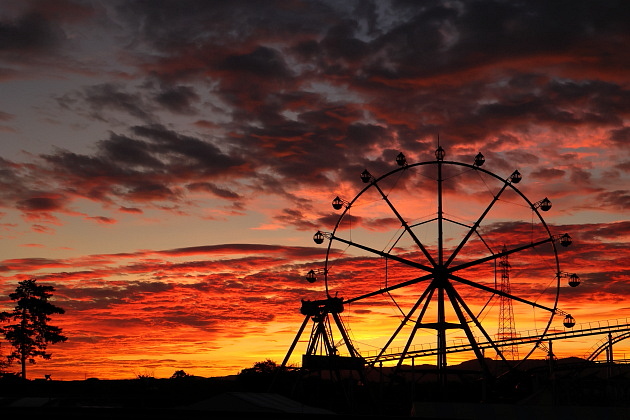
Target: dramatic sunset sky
165, 164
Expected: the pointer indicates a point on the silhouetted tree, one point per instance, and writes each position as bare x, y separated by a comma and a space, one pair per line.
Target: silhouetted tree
258, 377
179, 374
31, 334
266, 367
268, 376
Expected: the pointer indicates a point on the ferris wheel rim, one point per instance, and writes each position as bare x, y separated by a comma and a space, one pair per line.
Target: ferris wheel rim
507, 183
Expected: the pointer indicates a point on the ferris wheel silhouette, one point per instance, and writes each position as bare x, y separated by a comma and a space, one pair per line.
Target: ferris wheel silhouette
441, 250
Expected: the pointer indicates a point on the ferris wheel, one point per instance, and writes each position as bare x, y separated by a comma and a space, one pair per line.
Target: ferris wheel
437, 253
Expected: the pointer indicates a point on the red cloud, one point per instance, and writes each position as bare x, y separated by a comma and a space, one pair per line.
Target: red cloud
48, 203
103, 220
130, 210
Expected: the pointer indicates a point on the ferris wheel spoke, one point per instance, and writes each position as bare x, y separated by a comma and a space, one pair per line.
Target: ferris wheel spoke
346, 339
390, 288
499, 292
425, 307
427, 291
458, 298
384, 254
455, 303
473, 229
405, 225
499, 255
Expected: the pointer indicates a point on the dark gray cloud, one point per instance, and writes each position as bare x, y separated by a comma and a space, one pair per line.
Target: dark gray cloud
263, 63
607, 231
178, 99
308, 93
31, 32
214, 189
129, 151
148, 167
621, 136
619, 199
111, 97
296, 219
548, 174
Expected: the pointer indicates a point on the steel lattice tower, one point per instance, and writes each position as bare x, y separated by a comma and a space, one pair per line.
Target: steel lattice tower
506, 313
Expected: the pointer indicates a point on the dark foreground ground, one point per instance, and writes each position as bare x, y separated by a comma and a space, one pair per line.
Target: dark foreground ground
568, 389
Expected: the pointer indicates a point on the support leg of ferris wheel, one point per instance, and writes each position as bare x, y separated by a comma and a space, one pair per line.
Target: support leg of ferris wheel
295, 341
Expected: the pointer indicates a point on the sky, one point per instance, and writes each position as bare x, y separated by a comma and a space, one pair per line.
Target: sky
165, 164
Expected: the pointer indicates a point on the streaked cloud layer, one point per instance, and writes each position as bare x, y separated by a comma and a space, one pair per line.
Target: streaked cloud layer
164, 164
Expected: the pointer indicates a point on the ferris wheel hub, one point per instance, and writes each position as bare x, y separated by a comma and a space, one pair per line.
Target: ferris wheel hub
440, 274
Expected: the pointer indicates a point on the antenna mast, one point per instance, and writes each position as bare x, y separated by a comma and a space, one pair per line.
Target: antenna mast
506, 313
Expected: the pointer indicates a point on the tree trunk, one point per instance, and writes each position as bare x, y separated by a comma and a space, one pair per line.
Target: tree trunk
23, 362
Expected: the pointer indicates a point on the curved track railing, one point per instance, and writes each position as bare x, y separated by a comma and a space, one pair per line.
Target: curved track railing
615, 326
